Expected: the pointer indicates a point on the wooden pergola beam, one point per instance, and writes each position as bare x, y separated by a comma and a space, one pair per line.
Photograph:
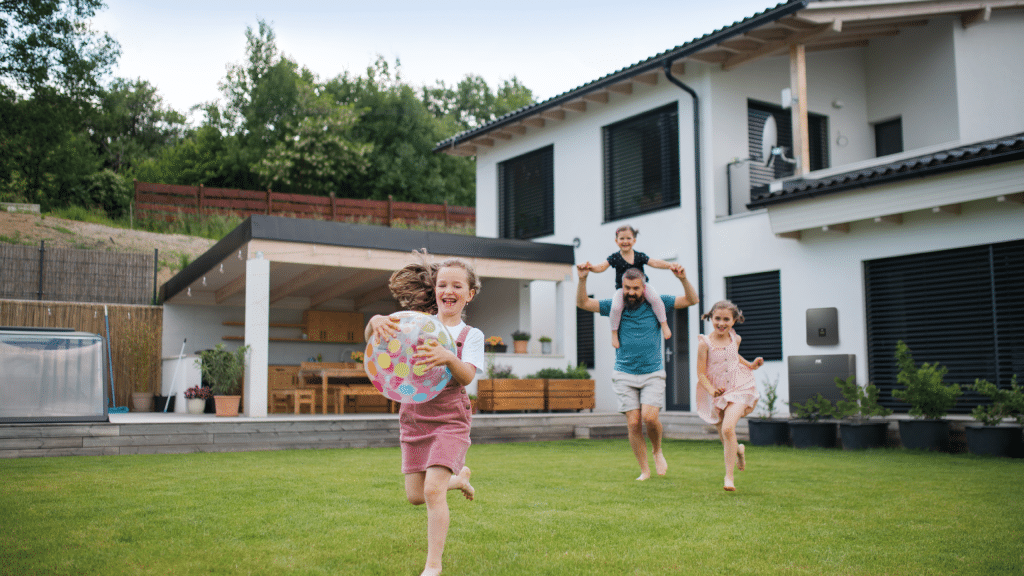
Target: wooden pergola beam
351, 283
298, 282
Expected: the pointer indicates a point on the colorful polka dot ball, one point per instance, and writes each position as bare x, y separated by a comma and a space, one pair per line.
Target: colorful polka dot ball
390, 363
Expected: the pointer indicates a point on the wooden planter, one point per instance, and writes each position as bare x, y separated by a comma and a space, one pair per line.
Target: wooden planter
565, 394
500, 394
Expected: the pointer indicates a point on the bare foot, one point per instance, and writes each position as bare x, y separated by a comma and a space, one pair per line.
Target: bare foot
461, 482
741, 461
666, 332
644, 476
660, 464
729, 486
430, 572
615, 339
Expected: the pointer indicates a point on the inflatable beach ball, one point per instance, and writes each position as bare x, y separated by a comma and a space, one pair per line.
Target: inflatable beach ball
389, 363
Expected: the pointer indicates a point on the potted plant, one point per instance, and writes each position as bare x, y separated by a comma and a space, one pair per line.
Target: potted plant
764, 428
195, 399
223, 370
520, 339
545, 344
494, 344
930, 400
990, 437
859, 404
141, 355
807, 430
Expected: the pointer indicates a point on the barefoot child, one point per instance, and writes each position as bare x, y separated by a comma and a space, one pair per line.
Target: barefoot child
726, 390
435, 434
624, 259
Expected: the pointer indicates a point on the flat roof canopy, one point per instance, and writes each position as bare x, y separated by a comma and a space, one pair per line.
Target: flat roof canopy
313, 262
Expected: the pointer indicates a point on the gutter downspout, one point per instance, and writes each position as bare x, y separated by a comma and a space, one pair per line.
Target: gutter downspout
697, 191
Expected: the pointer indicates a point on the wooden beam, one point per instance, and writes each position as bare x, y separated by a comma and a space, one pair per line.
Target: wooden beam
837, 45
351, 283
794, 235
861, 11
776, 46
501, 134
711, 56
599, 97
1017, 198
517, 129
553, 114
968, 19
465, 150
483, 141
947, 209
843, 228
890, 219
679, 68
798, 84
648, 78
741, 44
298, 282
534, 121
375, 295
230, 289
576, 106
622, 88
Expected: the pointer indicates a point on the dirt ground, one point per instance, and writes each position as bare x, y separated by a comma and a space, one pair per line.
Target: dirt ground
29, 229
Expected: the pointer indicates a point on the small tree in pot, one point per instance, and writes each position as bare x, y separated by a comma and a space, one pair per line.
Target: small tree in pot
807, 430
223, 369
764, 428
860, 404
930, 399
990, 438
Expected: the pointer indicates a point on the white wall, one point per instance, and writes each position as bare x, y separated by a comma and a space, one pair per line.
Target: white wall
990, 76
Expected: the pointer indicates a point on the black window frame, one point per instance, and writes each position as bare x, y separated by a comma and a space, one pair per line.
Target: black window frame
647, 178
759, 297
526, 195
888, 137
818, 145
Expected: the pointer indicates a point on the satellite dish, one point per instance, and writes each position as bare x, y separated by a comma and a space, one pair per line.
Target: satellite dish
769, 138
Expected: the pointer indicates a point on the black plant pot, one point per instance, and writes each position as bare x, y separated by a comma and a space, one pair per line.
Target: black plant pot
768, 432
863, 435
995, 440
925, 434
813, 434
159, 402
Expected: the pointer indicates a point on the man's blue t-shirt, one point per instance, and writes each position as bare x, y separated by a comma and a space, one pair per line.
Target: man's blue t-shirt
640, 338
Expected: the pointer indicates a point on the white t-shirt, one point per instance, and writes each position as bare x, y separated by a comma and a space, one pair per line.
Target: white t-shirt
473, 348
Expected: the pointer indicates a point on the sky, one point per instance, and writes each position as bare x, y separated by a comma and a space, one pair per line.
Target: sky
184, 47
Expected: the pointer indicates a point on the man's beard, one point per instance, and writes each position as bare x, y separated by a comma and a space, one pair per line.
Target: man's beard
631, 302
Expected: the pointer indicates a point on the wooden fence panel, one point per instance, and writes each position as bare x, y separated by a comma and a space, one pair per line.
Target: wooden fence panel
89, 318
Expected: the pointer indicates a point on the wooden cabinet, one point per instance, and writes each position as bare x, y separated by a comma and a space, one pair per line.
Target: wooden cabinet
328, 326
279, 378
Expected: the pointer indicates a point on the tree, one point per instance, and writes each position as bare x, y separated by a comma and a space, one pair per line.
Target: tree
132, 124
471, 103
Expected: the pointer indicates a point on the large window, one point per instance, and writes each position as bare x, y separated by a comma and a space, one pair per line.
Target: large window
641, 164
817, 136
758, 296
526, 195
961, 308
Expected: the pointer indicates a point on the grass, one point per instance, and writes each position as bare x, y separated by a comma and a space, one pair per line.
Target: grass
544, 508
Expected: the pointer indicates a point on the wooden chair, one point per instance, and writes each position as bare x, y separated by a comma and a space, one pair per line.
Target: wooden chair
294, 399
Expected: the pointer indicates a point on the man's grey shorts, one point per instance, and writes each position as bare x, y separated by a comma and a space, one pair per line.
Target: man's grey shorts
636, 389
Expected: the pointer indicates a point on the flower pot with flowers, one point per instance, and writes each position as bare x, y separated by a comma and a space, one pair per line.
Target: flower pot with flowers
195, 399
520, 340
223, 369
494, 344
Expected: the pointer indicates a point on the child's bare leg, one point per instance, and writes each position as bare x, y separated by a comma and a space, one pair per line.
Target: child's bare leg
658, 307
615, 315
414, 488
666, 332
733, 413
638, 443
435, 492
461, 482
615, 338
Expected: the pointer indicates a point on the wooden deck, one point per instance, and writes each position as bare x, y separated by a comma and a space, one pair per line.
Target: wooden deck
158, 433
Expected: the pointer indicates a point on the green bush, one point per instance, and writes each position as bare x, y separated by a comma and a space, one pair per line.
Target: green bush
859, 402
1006, 402
578, 373
923, 388
766, 408
105, 190
816, 408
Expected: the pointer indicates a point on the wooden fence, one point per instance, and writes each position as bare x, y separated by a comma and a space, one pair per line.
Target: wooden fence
89, 318
69, 275
168, 200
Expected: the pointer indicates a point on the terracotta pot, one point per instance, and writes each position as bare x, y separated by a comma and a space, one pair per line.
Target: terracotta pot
227, 405
520, 346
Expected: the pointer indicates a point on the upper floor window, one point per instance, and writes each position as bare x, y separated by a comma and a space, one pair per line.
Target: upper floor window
641, 164
526, 195
889, 137
817, 137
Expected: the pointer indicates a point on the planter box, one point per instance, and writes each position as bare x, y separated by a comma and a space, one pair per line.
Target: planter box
496, 348
502, 394
995, 440
863, 435
925, 434
566, 394
813, 434
768, 432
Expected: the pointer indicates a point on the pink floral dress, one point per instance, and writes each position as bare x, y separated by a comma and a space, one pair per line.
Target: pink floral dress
725, 371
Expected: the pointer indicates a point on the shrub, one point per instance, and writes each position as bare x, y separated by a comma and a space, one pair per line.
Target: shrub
859, 402
814, 409
1006, 402
924, 389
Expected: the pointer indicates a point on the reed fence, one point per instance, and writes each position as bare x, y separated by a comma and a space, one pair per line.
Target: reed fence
89, 318
168, 200
70, 275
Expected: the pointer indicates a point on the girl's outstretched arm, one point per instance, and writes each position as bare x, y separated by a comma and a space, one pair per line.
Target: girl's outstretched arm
656, 263
757, 363
600, 266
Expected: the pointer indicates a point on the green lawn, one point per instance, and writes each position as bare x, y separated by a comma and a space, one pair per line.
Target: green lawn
558, 508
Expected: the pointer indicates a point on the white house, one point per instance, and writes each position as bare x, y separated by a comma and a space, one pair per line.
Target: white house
849, 172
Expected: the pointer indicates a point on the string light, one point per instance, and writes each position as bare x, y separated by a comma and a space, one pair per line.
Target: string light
189, 292
204, 280
221, 267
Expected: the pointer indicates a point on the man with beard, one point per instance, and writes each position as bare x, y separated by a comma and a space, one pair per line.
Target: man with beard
639, 375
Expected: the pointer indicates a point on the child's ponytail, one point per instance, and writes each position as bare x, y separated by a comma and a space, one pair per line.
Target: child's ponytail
737, 314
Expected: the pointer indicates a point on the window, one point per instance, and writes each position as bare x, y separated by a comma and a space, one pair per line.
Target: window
758, 296
961, 308
817, 133
889, 137
641, 164
585, 337
526, 195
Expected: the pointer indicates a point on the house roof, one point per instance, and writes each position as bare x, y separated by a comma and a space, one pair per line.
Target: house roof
815, 24
321, 261
999, 150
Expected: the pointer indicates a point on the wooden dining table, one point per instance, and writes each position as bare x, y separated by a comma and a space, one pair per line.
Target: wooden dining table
348, 377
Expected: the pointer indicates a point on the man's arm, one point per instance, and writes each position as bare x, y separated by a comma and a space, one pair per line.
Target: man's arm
583, 301
690, 297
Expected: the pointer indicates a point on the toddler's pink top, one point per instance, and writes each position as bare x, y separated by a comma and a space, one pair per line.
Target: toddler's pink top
725, 371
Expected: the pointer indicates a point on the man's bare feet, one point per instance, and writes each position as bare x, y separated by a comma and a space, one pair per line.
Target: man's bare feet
644, 476
741, 461
660, 464
729, 486
461, 482
666, 332
615, 339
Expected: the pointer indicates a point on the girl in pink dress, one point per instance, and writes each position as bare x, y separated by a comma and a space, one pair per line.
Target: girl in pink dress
726, 391
435, 434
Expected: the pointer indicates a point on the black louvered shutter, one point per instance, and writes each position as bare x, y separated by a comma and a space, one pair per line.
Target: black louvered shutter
961, 308
818, 142
526, 195
585, 338
641, 164
758, 296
